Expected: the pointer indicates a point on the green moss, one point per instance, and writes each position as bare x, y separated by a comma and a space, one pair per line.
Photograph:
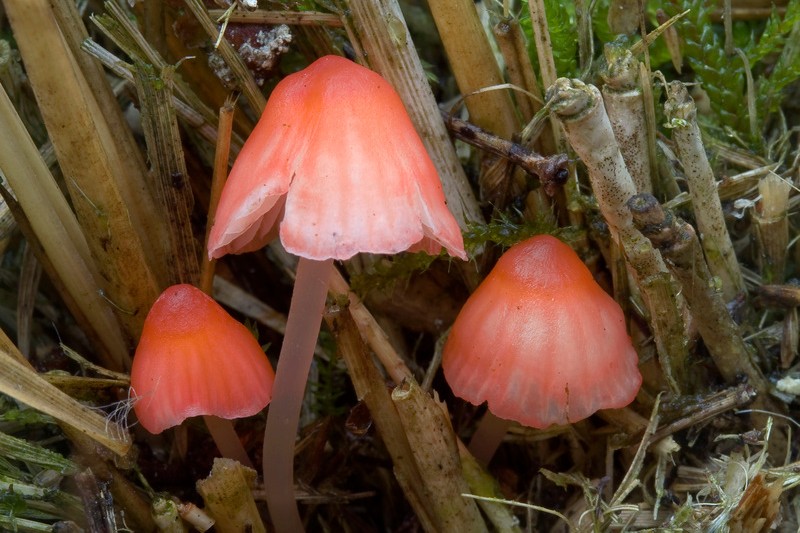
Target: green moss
561, 20
384, 274
770, 50
505, 231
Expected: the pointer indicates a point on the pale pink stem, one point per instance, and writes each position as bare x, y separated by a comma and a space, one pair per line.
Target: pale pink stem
227, 440
488, 437
294, 363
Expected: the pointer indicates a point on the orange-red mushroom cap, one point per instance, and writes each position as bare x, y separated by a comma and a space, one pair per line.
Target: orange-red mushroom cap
194, 359
540, 340
336, 163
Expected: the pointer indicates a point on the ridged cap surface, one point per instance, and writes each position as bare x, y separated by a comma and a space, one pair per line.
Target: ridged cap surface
540, 340
336, 164
194, 359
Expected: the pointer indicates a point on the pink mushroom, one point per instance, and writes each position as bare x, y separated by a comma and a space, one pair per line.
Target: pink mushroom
194, 359
540, 341
335, 168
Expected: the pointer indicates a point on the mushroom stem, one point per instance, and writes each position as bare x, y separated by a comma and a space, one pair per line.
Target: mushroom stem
227, 440
221, 430
302, 329
488, 437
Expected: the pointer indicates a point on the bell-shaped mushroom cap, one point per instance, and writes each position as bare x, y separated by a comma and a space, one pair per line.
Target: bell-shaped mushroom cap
540, 341
194, 359
336, 161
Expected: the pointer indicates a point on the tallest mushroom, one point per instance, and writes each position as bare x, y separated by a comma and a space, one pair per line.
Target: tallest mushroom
335, 168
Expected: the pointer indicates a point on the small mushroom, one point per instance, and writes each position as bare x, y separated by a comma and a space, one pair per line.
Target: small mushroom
335, 167
540, 340
194, 359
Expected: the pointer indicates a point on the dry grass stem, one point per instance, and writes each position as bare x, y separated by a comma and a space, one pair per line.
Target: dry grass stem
242, 301
21, 382
81, 386
169, 170
117, 26
59, 234
474, 66
783, 296
95, 168
479, 481
579, 108
624, 102
632, 476
717, 246
261, 16
742, 187
124, 154
227, 493
772, 226
221, 155
371, 389
678, 242
390, 50
196, 119
651, 125
243, 77
511, 42
487, 492
30, 274
434, 447
371, 330
544, 52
